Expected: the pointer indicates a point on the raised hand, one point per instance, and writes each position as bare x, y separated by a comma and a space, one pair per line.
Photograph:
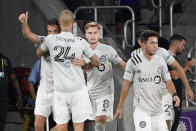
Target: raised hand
23, 18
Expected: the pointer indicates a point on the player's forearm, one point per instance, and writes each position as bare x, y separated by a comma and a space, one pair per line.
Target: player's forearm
28, 34
170, 86
186, 68
95, 60
122, 65
124, 93
181, 75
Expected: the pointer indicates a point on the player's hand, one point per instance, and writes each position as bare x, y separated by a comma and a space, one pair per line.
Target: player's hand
78, 61
89, 67
191, 63
176, 99
189, 94
23, 17
118, 113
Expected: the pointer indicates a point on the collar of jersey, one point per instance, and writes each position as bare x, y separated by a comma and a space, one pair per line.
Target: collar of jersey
98, 45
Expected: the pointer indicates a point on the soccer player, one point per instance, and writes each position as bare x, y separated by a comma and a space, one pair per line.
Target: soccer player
44, 97
44, 101
177, 46
149, 74
170, 60
70, 94
166, 97
100, 82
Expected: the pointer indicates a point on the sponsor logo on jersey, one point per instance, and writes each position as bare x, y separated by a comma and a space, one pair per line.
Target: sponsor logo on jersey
156, 79
142, 124
145, 79
160, 70
101, 67
103, 58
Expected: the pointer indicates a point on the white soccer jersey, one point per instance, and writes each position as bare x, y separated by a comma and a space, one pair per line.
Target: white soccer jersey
63, 48
46, 78
148, 79
160, 52
100, 80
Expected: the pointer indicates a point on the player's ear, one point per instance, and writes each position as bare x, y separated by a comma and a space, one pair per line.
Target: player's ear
59, 22
139, 42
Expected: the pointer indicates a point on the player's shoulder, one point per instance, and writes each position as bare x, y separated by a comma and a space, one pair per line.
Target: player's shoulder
158, 58
136, 52
161, 50
105, 46
49, 37
136, 59
80, 39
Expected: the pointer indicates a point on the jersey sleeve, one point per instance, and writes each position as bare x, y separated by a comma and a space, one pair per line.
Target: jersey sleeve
165, 73
40, 39
88, 52
44, 46
129, 73
35, 73
166, 55
114, 57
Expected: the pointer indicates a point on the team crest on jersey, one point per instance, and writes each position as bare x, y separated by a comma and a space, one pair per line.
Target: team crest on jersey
142, 124
103, 58
157, 79
101, 67
160, 70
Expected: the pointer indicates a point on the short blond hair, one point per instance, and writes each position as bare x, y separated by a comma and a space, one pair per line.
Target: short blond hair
66, 18
92, 24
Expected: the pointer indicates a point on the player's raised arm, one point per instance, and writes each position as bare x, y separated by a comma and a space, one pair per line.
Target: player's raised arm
23, 18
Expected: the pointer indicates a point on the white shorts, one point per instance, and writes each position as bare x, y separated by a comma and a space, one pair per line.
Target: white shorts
44, 103
145, 122
167, 103
74, 104
103, 106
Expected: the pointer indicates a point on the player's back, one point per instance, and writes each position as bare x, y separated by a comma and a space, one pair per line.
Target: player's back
63, 48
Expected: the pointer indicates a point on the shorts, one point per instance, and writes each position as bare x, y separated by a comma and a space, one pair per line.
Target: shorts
103, 106
146, 122
44, 103
167, 103
73, 104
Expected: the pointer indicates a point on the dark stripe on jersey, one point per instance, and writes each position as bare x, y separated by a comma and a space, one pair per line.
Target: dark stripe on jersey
139, 58
133, 61
136, 60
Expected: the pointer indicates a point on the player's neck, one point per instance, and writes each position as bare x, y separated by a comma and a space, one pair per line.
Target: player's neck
147, 55
66, 29
93, 45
